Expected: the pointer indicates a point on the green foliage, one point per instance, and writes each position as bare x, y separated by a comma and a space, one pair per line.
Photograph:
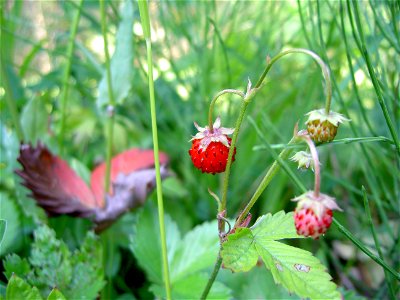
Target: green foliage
296, 269
17, 288
34, 120
9, 213
77, 275
121, 69
190, 257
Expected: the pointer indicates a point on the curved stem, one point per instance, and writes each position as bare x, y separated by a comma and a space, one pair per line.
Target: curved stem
324, 69
317, 168
212, 104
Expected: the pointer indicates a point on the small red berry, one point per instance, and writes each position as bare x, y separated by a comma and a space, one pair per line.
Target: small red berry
209, 151
313, 215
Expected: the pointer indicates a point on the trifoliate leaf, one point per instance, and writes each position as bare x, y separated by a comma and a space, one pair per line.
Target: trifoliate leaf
296, 269
17, 288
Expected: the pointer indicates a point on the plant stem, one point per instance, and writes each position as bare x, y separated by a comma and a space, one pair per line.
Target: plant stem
67, 70
265, 182
212, 277
284, 154
145, 19
376, 241
111, 101
374, 79
317, 168
364, 249
212, 104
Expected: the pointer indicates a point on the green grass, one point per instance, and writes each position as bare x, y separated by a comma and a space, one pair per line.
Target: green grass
198, 49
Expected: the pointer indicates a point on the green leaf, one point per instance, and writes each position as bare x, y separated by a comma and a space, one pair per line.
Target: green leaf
19, 289
9, 212
50, 259
14, 264
296, 269
55, 294
34, 119
121, 61
187, 257
87, 270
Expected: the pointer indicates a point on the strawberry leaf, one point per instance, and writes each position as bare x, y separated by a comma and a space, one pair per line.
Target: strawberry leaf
296, 269
190, 258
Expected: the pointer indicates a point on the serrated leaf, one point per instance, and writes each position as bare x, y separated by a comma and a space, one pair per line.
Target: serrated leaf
87, 270
197, 251
296, 269
19, 289
50, 259
238, 252
275, 227
55, 294
34, 119
17, 265
121, 61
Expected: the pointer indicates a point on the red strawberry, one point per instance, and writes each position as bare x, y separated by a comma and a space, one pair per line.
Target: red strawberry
313, 215
210, 148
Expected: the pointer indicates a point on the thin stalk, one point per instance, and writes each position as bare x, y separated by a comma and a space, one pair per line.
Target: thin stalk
67, 70
214, 274
374, 79
353, 78
364, 249
145, 19
376, 240
317, 168
265, 182
214, 100
111, 100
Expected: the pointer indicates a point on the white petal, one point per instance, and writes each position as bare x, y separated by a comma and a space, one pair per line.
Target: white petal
217, 122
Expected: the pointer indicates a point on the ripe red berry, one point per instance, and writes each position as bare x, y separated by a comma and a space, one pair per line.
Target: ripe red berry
210, 149
211, 160
313, 215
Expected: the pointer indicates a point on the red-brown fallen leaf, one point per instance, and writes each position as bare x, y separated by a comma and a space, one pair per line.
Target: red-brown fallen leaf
59, 190
124, 163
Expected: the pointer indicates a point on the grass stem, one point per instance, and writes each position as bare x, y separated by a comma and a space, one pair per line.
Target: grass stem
145, 19
67, 71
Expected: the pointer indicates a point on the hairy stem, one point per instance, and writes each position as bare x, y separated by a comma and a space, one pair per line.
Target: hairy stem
214, 274
317, 168
145, 19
